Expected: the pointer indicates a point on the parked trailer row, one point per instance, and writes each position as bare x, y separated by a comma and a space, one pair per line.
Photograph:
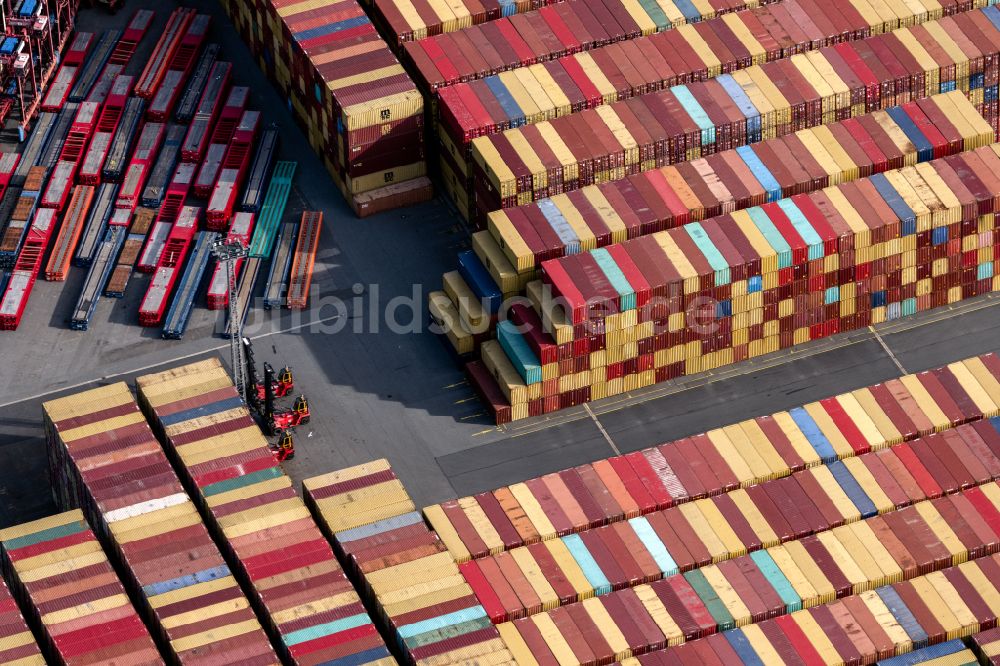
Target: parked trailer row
79, 607
142, 222
97, 221
164, 168
140, 164
179, 313
195, 34
218, 285
151, 530
168, 268
244, 296
169, 211
94, 67
260, 172
59, 186
300, 277
25, 270
276, 288
69, 233
222, 134
156, 65
102, 87
188, 103
235, 166
263, 526
8, 163
208, 110
125, 137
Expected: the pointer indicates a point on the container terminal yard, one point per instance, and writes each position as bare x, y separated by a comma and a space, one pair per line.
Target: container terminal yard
577, 332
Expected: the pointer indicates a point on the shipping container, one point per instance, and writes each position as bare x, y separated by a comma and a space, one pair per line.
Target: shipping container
73, 596
150, 528
17, 645
358, 107
265, 529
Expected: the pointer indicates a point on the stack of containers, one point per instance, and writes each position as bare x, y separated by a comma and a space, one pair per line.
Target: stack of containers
987, 646
308, 604
718, 541
452, 45
877, 624
361, 111
405, 571
506, 256
104, 458
544, 178
700, 116
617, 40
700, 119
670, 613
17, 645
63, 578
741, 455
740, 285
952, 652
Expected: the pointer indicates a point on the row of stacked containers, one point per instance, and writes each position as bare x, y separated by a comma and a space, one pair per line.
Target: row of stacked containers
360, 110
505, 258
17, 644
688, 105
104, 459
308, 604
718, 291
407, 574
532, 23
843, 531
987, 646
60, 572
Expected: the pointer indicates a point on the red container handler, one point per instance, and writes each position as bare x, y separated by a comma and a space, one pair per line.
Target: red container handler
175, 250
